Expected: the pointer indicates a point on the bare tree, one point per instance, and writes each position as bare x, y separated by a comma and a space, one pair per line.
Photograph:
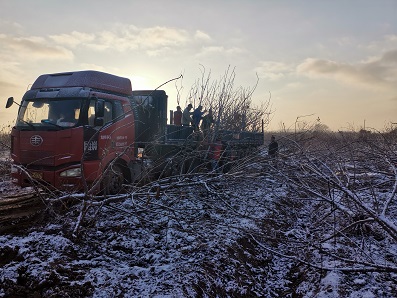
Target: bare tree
340, 201
233, 107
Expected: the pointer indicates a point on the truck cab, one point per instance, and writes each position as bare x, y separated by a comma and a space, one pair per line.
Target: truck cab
70, 128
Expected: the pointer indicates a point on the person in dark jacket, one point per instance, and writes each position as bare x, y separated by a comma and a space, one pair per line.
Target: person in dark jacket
273, 147
197, 116
207, 122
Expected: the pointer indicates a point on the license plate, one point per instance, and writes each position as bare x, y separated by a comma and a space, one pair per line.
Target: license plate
37, 175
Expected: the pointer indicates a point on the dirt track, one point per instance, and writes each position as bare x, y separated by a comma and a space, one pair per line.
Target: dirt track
17, 211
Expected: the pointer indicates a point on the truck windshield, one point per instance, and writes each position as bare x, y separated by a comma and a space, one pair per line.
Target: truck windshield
61, 113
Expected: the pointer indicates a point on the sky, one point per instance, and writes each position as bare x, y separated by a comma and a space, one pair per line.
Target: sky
328, 61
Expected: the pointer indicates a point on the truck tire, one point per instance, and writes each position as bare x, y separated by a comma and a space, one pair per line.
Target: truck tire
114, 180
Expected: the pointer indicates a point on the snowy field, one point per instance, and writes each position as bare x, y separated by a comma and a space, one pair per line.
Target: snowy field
300, 227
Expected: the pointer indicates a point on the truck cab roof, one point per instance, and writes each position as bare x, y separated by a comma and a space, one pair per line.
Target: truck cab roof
87, 78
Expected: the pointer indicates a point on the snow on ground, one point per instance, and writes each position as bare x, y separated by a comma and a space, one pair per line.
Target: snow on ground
194, 240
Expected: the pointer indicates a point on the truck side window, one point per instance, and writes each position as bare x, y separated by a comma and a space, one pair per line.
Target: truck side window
108, 112
91, 113
112, 110
118, 109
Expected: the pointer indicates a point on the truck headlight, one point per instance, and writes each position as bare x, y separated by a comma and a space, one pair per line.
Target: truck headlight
75, 172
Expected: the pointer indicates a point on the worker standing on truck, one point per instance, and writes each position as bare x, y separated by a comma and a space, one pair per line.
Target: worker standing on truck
197, 116
186, 115
178, 116
207, 122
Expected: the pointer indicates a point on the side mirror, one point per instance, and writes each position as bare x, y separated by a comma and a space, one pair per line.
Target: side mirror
10, 101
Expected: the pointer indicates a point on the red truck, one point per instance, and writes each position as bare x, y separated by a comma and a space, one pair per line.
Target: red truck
88, 130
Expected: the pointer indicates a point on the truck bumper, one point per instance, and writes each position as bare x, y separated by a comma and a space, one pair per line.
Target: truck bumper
52, 179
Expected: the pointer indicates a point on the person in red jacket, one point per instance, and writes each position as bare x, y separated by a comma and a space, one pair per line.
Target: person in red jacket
215, 154
178, 116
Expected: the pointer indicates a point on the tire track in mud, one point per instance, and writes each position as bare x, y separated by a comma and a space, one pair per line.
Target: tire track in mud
20, 211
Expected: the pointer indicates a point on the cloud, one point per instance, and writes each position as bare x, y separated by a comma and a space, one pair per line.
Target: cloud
376, 73
216, 50
294, 85
7, 85
211, 50
389, 58
387, 42
391, 38
385, 68
155, 41
273, 70
202, 36
19, 54
73, 39
128, 37
9, 26
158, 52
32, 48
162, 36
235, 50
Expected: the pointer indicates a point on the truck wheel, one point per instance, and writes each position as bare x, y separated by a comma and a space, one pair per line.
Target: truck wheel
114, 180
